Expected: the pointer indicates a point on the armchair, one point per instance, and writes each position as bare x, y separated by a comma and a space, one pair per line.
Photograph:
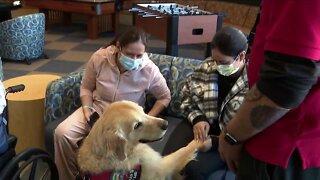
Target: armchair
22, 38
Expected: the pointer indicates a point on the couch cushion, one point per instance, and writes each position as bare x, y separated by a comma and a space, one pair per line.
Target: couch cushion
181, 68
63, 96
163, 62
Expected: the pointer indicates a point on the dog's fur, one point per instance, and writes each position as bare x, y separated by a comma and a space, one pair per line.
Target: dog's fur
114, 142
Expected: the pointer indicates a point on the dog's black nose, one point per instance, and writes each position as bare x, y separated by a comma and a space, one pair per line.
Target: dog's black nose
164, 125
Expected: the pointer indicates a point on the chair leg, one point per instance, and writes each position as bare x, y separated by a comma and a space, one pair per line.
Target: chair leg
44, 56
28, 62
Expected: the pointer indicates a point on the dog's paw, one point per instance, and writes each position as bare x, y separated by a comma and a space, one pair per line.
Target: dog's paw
194, 144
206, 146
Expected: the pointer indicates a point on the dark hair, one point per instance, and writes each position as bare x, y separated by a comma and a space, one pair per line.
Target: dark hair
132, 35
230, 41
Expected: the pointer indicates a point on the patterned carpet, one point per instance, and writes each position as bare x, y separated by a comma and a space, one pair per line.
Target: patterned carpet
69, 49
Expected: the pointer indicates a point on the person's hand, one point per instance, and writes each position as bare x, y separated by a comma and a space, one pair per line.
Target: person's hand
87, 113
206, 146
200, 130
229, 153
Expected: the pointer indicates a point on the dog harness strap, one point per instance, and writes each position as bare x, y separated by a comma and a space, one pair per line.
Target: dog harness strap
120, 174
134, 174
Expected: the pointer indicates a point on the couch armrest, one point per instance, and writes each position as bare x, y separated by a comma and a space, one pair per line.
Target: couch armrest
62, 96
1, 71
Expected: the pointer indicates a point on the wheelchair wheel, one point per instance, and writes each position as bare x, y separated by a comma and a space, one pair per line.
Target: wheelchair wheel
10, 153
31, 164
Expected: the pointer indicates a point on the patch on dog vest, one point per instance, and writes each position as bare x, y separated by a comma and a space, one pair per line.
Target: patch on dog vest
120, 174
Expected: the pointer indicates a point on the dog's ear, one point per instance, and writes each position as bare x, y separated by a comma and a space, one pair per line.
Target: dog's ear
110, 142
116, 144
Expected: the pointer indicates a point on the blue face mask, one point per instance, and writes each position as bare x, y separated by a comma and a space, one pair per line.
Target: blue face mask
129, 63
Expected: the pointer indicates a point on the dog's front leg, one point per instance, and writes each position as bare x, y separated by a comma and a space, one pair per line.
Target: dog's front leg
176, 161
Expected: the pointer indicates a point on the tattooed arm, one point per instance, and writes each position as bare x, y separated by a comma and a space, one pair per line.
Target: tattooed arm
284, 83
256, 113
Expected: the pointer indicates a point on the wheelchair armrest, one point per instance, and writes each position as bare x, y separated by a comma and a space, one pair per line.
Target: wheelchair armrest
12, 141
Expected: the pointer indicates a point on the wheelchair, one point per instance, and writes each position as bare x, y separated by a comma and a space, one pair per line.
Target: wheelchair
31, 164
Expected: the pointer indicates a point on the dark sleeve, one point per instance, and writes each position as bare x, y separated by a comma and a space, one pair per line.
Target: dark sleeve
200, 118
286, 80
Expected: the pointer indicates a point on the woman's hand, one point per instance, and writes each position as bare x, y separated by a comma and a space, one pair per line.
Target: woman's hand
87, 113
87, 106
200, 130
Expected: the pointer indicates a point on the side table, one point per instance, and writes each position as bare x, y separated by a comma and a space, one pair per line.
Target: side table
26, 110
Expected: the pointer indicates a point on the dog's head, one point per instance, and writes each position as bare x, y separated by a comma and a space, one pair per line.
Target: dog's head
122, 125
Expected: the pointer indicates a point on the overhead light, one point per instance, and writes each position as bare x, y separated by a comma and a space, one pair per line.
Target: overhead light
16, 3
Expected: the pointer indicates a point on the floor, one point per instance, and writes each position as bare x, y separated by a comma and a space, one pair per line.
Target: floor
69, 49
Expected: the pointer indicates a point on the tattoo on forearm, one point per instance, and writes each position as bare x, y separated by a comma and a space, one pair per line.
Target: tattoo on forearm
263, 116
254, 94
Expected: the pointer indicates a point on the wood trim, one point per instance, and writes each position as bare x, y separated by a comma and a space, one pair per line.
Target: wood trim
73, 6
207, 23
152, 25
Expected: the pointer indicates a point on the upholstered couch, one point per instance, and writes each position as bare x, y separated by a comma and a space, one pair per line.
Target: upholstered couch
62, 95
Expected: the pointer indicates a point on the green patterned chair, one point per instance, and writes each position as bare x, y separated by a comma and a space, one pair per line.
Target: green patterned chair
62, 95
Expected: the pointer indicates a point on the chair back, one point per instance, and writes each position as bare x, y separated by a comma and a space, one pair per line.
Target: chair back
22, 38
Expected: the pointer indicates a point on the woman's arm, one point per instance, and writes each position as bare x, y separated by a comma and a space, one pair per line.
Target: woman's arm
87, 106
188, 106
157, 108
87, 87
158, 88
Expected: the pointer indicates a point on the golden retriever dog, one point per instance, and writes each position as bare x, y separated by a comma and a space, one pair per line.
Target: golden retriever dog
114, 142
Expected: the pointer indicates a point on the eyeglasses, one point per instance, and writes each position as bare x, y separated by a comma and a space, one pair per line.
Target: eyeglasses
226, 63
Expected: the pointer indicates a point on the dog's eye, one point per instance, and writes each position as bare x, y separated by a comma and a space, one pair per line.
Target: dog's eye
137, 125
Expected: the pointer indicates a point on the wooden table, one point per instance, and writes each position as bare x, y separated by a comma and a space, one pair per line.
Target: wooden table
26, 110
94, 9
